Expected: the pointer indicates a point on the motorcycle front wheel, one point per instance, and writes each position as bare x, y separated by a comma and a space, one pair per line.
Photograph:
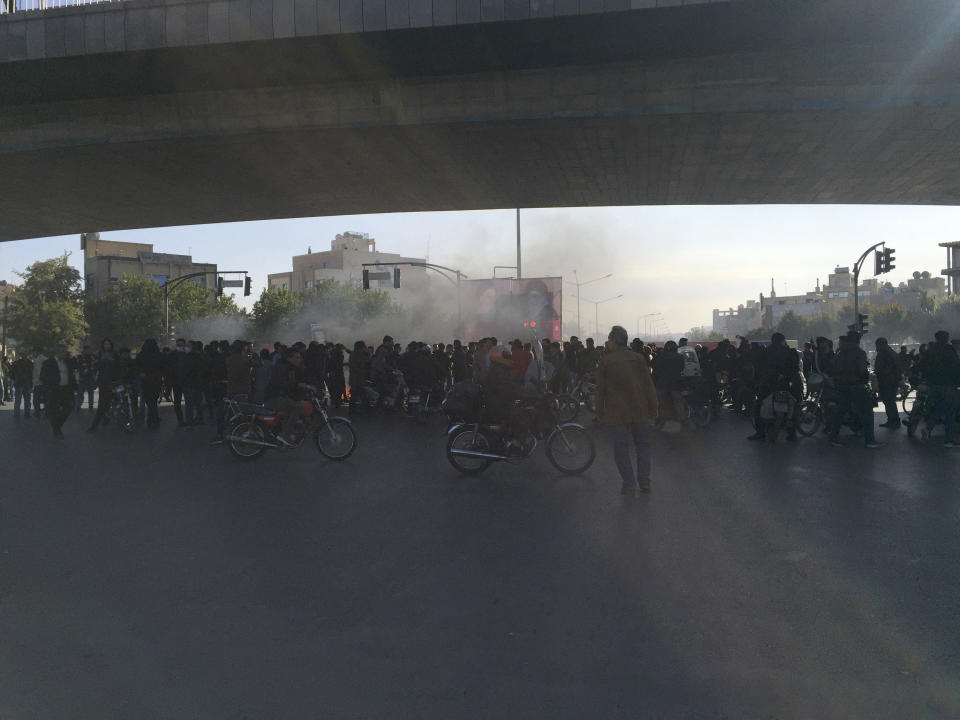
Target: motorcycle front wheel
336, 439
808, 418
242, 450
570, 449
467, 439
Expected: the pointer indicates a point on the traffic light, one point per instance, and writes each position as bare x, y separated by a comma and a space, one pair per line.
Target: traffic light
248, 281
396, 277
219, 286
862, 325
878, 263
366, 279
888, 259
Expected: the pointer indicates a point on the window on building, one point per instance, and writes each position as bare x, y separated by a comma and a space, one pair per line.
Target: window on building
309, 284
843, 294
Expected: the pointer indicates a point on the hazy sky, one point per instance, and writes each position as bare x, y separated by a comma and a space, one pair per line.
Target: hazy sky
681, 261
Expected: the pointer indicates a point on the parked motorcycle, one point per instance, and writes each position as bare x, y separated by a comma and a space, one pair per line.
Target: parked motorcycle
254, 429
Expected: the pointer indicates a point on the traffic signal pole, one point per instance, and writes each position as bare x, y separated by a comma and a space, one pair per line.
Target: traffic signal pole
856, 282
179, 281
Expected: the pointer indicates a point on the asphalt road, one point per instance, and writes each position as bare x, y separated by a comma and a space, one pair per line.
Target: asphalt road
154, 576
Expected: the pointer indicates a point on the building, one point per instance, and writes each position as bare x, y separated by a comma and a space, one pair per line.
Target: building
834, 297
952, 271
105, 262
344, 262
737, 322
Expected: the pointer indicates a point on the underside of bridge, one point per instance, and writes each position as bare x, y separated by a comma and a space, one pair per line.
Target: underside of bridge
748, 102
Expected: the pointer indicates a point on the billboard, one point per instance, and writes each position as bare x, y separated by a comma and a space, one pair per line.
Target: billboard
500, 307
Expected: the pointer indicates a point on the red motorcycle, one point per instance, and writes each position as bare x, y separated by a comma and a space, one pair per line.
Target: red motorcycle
254, 429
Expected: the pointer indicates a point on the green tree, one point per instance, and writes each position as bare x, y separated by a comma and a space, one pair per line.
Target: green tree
48, 309
274, 309
128, 313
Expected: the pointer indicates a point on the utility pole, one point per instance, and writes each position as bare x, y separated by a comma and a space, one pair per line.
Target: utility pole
578, 284
856, 282
519, 274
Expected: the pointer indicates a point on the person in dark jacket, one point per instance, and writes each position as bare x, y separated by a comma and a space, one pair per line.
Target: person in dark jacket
851, 379
107, 367
59, 385
886, 366
195, 374
667, 370
174, 370
150, 365
940, 368
286, 390
336, 382
21, 373
459, 365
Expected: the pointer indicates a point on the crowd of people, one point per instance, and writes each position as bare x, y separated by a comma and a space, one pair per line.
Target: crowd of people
196, 378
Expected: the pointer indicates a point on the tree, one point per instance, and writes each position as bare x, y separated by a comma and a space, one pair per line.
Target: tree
128, 313
48, 310
274, 309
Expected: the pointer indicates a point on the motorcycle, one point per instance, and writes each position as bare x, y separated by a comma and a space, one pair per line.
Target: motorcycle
421, 402
122, 408
254, 429
473, 446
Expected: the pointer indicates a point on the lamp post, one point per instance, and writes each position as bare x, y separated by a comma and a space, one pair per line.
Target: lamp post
596, 315
645, 320
579, 285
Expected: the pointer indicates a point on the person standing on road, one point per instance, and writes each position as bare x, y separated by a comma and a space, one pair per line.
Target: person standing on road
627, 402
239, 368
59, 387
886, 366
941, 370
108, 371
38, 402
86, 377
175, 370
150, 366
21, 372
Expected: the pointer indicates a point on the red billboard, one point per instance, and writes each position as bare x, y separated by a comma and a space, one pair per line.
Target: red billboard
506, 308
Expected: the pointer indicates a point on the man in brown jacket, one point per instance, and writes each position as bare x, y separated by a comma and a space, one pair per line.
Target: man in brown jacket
627, 402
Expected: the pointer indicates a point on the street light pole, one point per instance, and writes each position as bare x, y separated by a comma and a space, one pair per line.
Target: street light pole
579, 284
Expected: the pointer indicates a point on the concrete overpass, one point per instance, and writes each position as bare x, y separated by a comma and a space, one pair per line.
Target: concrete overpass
166, 112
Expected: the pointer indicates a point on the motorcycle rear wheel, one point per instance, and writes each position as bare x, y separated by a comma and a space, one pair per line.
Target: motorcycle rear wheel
242, 450
466, 439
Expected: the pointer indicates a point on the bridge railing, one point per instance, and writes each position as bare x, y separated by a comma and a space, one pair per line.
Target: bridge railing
19, 6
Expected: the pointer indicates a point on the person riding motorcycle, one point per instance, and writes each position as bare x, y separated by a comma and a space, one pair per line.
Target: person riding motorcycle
419, 369
286, 390
383, 365
779, 371
501, 391
852, 378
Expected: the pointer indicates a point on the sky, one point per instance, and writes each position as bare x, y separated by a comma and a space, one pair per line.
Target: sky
679, 261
